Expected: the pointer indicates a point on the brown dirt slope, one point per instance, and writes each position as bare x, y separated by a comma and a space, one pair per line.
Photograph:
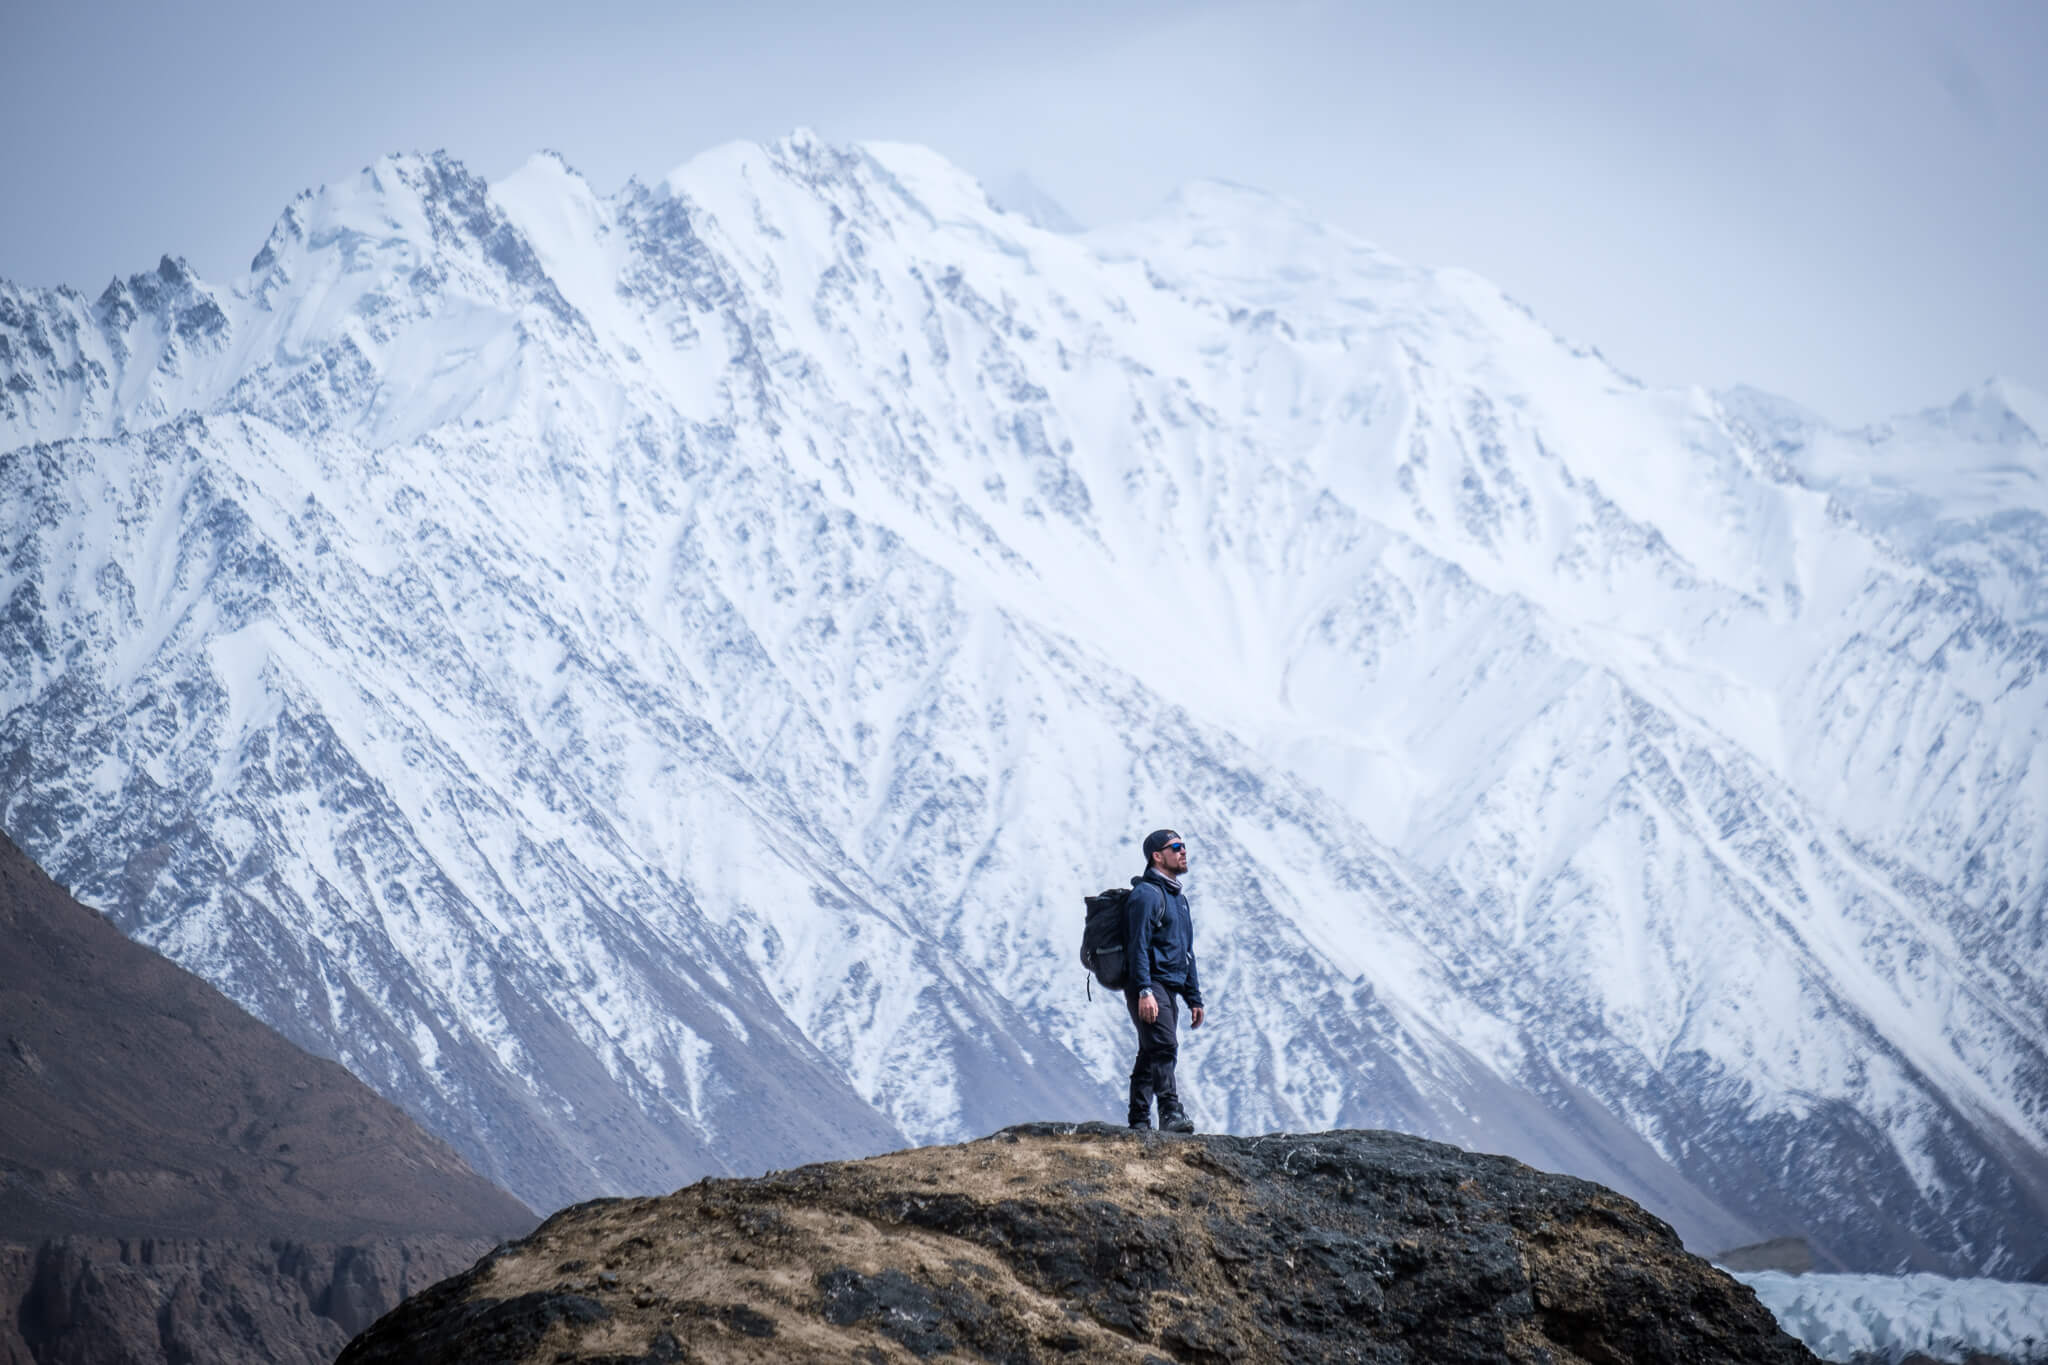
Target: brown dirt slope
179, 1183
136, 1100
1063, 1243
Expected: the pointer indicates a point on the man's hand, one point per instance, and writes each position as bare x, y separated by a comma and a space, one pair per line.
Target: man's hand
1194, 1016
1148, 1008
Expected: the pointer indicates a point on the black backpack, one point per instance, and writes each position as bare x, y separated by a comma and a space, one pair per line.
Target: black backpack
1102, 939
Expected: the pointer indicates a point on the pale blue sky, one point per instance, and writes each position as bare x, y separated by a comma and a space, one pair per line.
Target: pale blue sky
1841, 202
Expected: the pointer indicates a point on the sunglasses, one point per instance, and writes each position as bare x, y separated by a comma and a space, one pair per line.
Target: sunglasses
1176, 848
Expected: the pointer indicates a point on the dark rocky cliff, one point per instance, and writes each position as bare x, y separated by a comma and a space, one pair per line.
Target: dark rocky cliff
1062, 1243
217, 1301
178, 1182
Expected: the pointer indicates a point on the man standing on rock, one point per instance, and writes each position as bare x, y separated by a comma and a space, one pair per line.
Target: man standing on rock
1159, 942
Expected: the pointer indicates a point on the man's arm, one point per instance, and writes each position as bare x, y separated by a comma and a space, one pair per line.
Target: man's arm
1138, 936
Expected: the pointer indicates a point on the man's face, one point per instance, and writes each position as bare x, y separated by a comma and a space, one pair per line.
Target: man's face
1173, 859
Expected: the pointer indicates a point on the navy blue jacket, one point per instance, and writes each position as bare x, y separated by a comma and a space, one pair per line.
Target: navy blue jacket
1160, 934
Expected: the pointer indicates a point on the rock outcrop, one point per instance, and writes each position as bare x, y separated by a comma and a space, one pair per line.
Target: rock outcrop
1055, 1243
112, 1301
179, 1183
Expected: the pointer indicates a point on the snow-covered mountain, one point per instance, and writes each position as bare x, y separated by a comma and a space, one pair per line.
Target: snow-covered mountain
645, 681
1896, 1318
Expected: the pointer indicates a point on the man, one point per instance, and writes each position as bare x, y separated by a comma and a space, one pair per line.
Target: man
1159, 935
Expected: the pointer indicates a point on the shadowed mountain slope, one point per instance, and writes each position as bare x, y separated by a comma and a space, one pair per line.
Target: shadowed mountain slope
178, 1182
136, 1100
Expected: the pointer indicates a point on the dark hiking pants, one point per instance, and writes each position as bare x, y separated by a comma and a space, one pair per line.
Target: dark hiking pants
1158, 1049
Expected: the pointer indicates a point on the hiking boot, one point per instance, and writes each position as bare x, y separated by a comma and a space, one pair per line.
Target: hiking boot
1173, 1118
1142, 1118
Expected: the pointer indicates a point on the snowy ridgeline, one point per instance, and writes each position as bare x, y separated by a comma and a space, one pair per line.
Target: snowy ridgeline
1888, 1317
644, 680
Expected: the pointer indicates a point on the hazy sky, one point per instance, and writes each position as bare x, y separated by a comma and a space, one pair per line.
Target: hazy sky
1842, 202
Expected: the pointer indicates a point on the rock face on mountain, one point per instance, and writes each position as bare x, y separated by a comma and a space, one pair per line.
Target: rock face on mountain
1060, 1243
644, 679
211, 1301
177, 1182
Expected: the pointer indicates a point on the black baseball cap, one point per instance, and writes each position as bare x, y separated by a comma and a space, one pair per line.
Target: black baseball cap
1158, 839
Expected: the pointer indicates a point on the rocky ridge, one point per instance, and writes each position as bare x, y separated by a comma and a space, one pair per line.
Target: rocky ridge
1055, 1242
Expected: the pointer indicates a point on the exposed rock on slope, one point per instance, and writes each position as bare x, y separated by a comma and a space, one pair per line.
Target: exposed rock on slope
1050, 1242
177, 1181
106, 1301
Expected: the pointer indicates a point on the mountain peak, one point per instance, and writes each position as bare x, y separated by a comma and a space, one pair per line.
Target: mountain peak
1210, 196
1773, 417
544, 173
2000, 410
738, 158
803, 140
1018, 193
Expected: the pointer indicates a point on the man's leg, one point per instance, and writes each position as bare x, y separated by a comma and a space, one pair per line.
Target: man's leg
1172, 1118
1158, 1041
1139, 1114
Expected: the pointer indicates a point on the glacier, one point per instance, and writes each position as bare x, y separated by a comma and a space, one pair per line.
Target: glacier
646, 679
1891, 1317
